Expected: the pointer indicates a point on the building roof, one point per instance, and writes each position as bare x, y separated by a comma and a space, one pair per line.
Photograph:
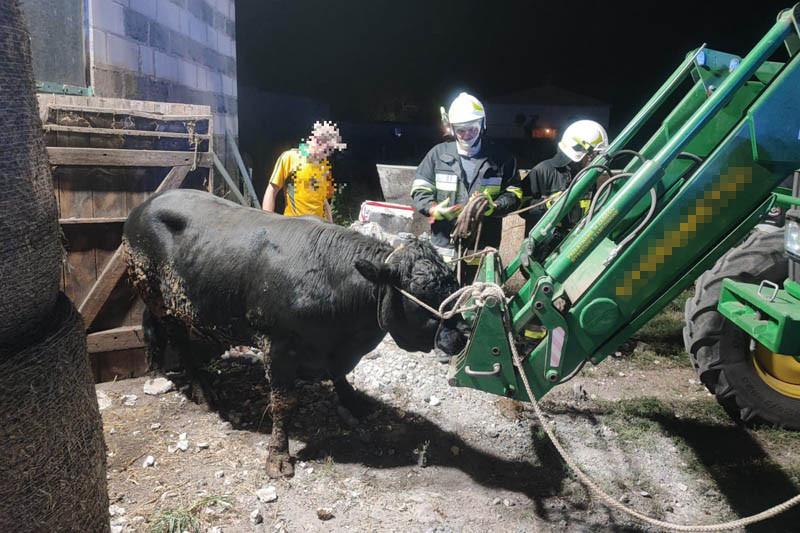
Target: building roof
546, 95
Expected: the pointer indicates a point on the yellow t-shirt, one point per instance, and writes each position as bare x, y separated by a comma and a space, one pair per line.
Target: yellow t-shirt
306, 185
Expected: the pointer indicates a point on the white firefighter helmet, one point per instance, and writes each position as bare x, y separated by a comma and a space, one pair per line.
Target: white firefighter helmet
466, 108
583, 137
467, 122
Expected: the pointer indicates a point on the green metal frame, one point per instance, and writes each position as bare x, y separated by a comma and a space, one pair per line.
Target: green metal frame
61, 88
742, 117
768, 314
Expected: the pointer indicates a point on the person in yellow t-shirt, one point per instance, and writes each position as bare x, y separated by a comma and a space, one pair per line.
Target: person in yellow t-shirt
304, 174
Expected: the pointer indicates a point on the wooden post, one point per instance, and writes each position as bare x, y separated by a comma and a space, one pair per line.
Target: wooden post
228, 180
242, 169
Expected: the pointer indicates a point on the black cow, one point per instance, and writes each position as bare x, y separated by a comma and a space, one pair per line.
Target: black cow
313, 296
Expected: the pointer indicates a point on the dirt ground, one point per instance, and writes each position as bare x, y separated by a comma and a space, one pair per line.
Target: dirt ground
437, 459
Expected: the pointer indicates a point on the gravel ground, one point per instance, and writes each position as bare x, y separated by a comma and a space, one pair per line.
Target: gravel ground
433, 458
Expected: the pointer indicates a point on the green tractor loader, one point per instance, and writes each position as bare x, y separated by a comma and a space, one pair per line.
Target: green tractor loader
686, 203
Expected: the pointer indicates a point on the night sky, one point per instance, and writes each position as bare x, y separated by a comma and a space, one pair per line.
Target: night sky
351, 52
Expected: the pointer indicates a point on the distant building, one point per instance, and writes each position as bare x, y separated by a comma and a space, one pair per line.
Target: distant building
541, 113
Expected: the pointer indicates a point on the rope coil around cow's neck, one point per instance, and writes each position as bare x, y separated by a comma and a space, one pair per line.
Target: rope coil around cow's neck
474, 291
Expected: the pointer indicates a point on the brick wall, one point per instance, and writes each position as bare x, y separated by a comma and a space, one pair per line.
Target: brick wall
167, 50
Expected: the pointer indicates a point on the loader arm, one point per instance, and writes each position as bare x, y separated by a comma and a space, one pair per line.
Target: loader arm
693, 190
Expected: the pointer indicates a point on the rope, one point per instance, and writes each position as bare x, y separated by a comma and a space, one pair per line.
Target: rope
469, 218
191, 128
532, 206
612, 502
482, 292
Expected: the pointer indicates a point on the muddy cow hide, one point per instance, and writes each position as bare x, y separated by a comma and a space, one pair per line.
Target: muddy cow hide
314, 297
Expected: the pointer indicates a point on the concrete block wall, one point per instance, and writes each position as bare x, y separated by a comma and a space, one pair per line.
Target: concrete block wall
167, 50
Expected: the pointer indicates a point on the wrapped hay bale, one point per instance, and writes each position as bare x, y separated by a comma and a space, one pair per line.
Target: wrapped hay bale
30, 252
52, 469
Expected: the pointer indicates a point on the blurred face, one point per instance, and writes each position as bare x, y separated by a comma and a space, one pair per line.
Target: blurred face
321, 147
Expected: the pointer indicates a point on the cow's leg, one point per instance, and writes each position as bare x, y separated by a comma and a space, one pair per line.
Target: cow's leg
281, 369
155, 338
350, 399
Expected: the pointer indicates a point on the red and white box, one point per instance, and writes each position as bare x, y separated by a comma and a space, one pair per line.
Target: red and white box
392, 218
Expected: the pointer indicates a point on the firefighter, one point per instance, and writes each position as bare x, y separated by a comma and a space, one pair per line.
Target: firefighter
580, 143
453, 172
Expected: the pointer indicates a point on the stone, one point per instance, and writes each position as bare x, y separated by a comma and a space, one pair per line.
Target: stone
202, 445
256, 517
129, 400
149, 461
324, 513
157, 386
434, 401
116, 510
219, 474
103, 400
155, 425
267, 494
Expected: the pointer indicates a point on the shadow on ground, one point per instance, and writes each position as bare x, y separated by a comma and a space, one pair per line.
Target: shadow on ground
741, 470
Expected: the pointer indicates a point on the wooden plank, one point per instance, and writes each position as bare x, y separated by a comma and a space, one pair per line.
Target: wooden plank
112, 340
114, 268
113, 131
122, 364
75, 201
110, 201
101, 220
124, 158
130, 111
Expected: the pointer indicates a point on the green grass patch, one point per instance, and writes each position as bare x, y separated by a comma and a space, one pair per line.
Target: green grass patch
185, 518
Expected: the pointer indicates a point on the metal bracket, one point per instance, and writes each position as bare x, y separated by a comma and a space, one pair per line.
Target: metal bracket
494, 372
771, 285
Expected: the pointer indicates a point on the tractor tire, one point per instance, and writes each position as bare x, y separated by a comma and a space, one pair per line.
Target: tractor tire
721, 352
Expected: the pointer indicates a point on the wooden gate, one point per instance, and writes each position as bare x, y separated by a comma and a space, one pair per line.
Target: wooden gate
108, 155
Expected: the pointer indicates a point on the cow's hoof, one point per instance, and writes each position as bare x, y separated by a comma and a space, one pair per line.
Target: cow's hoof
279, 465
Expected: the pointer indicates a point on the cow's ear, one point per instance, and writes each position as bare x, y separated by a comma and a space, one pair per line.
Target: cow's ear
374, 272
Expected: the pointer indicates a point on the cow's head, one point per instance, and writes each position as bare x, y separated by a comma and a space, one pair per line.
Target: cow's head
417, 268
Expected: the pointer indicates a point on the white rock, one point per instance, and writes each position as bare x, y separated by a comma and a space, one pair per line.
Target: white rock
219, 474
496, 501
149, 461
103, 400
183, 442
129, 399
155, 425
645, 494
215, 529
117, 529
508, 503
157, 386
256, 517
116, 510
267, 494
434, 401
682, 487
202, 445
309, 471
